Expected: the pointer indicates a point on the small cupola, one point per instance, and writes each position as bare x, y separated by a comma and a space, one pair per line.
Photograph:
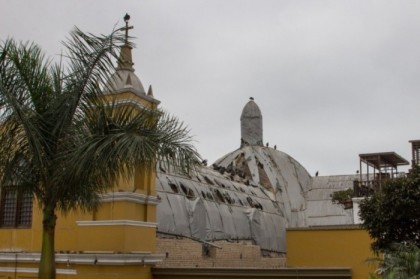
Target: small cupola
251, 124
124, 79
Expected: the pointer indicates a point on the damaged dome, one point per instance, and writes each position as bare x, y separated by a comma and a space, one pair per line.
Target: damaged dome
278, 173
252, 193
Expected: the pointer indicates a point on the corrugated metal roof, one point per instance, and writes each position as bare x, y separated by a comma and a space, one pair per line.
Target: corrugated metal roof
252, 193
211, 206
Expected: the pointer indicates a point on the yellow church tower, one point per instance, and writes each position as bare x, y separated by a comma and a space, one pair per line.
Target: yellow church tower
116, 241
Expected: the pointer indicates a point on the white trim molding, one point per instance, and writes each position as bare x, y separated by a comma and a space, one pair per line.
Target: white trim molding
137, 93
129, 196
35, 270
117, 223
92, 258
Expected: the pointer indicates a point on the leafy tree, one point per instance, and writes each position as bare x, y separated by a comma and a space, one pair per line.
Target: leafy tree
392, 215
402, 261
59, 141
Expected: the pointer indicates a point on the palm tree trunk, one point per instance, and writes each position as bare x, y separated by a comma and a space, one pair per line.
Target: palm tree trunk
47, 263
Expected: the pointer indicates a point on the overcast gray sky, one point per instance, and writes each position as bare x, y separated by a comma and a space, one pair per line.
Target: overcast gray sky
332, 78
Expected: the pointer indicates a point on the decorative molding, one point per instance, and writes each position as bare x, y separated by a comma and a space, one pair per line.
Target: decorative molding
117, 223
130, 197
99, 258
131, 101
35, 270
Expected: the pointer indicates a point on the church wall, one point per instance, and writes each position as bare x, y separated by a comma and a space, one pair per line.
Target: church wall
121, 210
23, 239
116, 238
120, 236
184, 252
330, 246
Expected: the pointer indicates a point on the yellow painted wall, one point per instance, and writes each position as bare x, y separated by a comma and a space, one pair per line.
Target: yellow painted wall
119, 238
336, 246
25, 239
121, 210
121, 226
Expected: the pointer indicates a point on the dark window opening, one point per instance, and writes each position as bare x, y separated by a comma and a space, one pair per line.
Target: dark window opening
184, 189
210, 196
254, 203
250, 201
221, 184
228, 198
208, 180
15, 208
208, 251
190, 193
219, 196
173, 187
187, 191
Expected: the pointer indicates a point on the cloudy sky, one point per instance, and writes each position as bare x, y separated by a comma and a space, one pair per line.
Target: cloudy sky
333, 79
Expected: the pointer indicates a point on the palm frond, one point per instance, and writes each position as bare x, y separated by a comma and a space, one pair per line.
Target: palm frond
56, 125
22, 99
90, 65
114, 142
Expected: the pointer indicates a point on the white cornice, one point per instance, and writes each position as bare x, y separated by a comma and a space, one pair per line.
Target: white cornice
35, 270
136, 93
117, 223
102, 258
129, 196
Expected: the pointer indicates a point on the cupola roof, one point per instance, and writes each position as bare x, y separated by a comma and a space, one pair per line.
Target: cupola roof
251, 124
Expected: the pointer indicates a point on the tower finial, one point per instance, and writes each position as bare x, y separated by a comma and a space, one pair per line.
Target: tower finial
126, 62
127, 19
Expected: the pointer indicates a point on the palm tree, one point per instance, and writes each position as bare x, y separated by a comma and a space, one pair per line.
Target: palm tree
401, 261
60, 142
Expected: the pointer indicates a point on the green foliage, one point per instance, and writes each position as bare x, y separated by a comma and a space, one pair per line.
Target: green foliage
342, 196
59, 141
392, 215
400, 262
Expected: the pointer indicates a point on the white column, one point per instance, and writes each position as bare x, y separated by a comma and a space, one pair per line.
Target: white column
356, 203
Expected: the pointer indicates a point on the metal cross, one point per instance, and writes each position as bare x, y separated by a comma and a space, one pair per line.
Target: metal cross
126, 28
